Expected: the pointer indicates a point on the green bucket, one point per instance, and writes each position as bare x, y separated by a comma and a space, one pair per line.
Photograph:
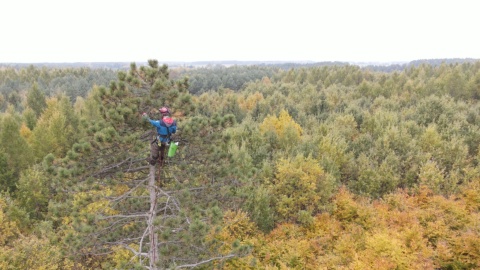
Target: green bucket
172, 149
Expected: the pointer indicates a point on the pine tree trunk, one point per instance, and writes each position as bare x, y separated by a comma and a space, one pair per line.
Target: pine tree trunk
153, 253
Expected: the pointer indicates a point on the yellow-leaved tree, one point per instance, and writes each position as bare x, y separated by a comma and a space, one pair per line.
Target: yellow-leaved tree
299, 188
22, 250
235, 235
55, 131
250, 101
282, 131
8, 228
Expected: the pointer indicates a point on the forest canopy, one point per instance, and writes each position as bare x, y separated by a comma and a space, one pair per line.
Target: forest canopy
335, 166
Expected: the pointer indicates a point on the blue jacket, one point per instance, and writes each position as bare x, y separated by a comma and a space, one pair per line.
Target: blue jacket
164, 130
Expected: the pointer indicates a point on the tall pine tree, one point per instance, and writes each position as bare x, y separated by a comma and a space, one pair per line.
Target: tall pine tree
114, 199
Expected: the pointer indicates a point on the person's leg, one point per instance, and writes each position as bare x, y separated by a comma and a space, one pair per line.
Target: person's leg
154, 148
162, 153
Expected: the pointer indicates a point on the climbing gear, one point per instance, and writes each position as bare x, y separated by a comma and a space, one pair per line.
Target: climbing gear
172, 149
165, 139
168, 123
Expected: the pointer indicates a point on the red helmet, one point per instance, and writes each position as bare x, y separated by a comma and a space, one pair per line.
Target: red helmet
164, 110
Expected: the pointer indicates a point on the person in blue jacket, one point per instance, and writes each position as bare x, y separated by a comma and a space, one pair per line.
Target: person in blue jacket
165, 128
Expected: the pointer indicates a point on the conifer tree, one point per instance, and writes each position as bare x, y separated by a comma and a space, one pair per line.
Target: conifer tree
116, 201
15, 151
33, 192
36, 100
7, 174
30, 118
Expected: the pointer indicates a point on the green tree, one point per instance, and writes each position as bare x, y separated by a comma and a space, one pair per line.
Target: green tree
15, 149
33, 192
258, 204
116, 201
7, 174
300, 186
30, 118
55, 131
36, 100
15, 99
3, 102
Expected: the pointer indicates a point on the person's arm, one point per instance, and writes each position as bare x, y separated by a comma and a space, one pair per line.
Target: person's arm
155, 123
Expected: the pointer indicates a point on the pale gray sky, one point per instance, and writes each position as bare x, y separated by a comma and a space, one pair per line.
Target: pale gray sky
262, 30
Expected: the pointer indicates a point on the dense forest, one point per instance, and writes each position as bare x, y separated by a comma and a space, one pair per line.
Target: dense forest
331, 166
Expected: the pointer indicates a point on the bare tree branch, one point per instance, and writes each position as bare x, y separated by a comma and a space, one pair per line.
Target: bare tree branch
124, 216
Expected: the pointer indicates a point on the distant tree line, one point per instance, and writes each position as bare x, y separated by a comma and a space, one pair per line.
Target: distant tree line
73, 82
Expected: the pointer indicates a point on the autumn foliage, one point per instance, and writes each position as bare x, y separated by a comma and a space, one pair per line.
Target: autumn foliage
316, 167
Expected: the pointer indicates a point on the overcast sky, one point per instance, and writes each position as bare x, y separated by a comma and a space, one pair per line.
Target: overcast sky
197, 30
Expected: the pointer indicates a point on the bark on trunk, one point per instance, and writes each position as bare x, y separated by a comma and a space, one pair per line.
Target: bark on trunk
153, 253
